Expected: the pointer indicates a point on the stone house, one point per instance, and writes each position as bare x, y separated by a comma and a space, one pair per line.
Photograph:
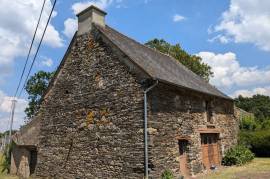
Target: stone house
118, 109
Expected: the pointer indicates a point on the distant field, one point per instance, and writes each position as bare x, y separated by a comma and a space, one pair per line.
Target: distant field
259, 168
4, 175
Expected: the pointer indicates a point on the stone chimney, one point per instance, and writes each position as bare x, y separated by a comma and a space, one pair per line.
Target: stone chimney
89, 16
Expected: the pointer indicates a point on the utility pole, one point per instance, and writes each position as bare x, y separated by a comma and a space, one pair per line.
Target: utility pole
2, 144
12, 117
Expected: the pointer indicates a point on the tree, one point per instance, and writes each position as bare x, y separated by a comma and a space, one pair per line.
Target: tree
35, 87
257, 104
193, 62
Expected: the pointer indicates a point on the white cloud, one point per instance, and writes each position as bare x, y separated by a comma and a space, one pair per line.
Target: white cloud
5, 107
17, 23
46, 62
71, 25
222, 39
178, 18
250, 93
246, 21
102, 4
228, 73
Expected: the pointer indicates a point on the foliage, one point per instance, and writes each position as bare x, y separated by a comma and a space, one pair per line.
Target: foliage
5, 165
257, 141
248, 123
193, 62
265, 124
167, 174
237, 155
35, 87
6, 133
257, 104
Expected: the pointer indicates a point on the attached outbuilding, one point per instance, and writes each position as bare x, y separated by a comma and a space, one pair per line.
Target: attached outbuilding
118, 109
24, 150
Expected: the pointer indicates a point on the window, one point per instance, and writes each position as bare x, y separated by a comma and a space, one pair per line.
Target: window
182, 146
208, 109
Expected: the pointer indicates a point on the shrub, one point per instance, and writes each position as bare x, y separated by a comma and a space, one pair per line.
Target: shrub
248, 123
265, 124
6, 160
237, 155
257, 141
167, 174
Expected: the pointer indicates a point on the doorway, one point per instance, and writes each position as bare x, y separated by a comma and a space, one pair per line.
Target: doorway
33, 161
183, 157
210, 150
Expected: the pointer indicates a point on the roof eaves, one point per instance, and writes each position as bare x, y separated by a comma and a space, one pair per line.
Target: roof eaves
198, 91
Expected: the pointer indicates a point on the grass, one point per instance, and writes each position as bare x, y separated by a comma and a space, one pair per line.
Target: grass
258, 168
5, 175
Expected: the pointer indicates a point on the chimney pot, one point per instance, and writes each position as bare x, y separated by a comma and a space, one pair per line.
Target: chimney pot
87, 17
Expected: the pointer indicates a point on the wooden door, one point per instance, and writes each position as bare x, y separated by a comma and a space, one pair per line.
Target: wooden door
210, 150
183, 157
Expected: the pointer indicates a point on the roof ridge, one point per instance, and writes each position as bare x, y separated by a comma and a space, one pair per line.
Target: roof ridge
154, 62
171, 58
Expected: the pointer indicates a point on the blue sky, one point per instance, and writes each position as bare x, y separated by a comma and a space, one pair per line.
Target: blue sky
232, 36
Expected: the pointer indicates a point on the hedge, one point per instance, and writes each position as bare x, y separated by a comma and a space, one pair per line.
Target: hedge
258, 142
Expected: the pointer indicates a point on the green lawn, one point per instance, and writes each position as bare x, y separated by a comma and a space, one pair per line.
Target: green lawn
259, 168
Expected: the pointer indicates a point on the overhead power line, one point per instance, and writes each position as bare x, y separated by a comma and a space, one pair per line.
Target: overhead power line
37, 49
30, 49
35, 56
11, 115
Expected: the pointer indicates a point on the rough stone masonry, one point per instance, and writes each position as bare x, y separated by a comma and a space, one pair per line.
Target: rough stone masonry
92, 116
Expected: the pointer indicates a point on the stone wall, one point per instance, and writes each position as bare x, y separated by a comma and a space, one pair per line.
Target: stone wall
28, 134
178, 113
92, 117
241, 114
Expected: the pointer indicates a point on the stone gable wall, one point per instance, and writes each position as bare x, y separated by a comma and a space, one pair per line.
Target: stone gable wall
28, 134
92, 118
181, 113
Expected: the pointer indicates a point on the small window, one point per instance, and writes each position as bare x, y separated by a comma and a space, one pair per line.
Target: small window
182, 146
208, 110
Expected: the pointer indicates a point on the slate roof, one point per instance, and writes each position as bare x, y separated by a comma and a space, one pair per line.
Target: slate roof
159, 66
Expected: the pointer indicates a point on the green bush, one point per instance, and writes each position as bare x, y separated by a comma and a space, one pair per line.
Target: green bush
167, 174
237, 155
248, 123
257, 141
265, 124
5, 165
